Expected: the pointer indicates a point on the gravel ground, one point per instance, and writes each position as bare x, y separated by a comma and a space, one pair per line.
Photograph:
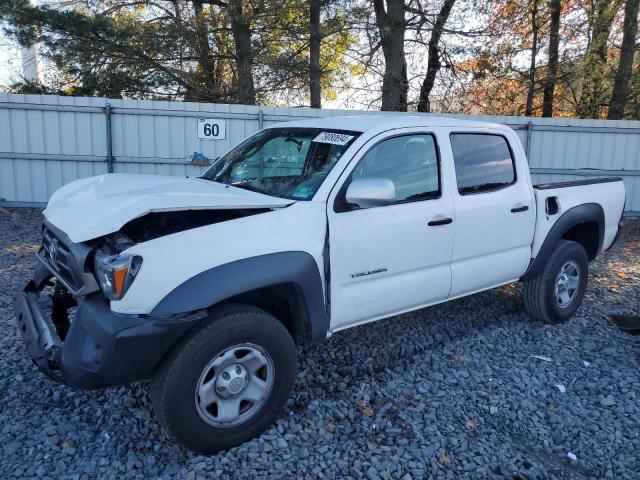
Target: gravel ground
453, 391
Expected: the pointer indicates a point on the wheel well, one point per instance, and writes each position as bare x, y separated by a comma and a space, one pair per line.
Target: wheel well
284, 301
586, 234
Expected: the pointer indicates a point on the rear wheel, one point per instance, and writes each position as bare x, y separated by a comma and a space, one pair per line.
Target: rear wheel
227, 381
556, 293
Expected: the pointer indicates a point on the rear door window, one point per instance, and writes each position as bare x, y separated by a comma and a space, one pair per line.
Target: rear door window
483, 162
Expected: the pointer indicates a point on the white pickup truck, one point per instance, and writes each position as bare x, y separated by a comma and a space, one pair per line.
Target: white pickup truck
208, 285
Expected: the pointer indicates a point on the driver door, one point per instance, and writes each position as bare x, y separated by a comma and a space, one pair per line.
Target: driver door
394, 258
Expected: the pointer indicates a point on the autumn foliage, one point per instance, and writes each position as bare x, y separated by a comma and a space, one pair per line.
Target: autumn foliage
563, 58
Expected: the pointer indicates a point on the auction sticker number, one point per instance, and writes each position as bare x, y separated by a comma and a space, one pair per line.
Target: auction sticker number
211, 129
333, 138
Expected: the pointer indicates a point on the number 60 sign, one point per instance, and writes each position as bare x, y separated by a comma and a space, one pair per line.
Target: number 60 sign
211, 129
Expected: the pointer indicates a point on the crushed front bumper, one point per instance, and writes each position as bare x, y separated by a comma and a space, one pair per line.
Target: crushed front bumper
98, 348
38, 334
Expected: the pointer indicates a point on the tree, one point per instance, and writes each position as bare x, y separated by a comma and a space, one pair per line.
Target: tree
534, 52
555, 8
114, 53
206, 63
625, 64
307, 55
595, 59
500, 72
392, 26
515, 57
241, 29
315, 69
433, 64
231, 51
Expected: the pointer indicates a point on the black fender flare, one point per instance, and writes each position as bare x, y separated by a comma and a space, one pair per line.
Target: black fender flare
220, 283
587, 212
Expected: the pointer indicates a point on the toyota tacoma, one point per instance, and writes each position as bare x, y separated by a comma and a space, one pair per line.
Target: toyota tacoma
208, 286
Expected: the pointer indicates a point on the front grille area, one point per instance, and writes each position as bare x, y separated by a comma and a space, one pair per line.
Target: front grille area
58, 256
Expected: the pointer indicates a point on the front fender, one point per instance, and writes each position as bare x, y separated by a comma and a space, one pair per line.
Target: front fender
217, 284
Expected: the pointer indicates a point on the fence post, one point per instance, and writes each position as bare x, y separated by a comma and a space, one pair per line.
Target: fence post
529, 133
107, 113
260, 119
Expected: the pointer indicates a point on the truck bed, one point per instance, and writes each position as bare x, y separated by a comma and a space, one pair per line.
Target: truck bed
554, 199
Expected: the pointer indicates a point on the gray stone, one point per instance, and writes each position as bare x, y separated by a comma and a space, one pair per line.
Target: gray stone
452, 388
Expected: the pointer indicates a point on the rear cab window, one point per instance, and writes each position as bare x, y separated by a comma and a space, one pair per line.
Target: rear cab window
483, 162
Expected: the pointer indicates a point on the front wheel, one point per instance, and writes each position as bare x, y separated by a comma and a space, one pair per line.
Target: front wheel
226, 381
556, 293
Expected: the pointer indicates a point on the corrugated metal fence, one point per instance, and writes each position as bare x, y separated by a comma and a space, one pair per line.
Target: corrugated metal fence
47, 141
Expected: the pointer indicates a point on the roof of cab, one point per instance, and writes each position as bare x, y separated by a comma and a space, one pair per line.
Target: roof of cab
363, 123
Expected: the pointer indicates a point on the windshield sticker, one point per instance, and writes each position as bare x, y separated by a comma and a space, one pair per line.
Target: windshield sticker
333, 138
303, 191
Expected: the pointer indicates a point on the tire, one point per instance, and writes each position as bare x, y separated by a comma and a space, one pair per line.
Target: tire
237, 345
542, 301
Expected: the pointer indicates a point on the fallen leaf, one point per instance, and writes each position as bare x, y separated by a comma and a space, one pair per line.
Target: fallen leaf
364, 408
471, 423
622, 274
66, 444
331, 427
445, 459
552, 407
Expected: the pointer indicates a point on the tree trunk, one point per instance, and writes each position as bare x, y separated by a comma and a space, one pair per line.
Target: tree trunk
241, 29
596, 59
433, 64
528, 111
392, 26
555, 7
625, 65
314, 54
206, 64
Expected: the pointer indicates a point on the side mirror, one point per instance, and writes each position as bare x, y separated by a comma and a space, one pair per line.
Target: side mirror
368, 192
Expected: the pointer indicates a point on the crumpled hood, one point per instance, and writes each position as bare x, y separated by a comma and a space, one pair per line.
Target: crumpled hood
96, 206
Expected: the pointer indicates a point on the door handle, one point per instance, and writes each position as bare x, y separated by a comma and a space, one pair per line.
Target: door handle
523, 208
440, 221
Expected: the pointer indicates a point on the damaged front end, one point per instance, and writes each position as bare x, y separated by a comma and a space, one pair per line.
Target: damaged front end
64, 314
46, 306
159, 224
44, 324
82, 343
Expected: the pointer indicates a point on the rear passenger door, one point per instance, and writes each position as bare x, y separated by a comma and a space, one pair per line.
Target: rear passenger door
494, 212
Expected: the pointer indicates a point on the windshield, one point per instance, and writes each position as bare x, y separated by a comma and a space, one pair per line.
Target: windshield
283, 162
